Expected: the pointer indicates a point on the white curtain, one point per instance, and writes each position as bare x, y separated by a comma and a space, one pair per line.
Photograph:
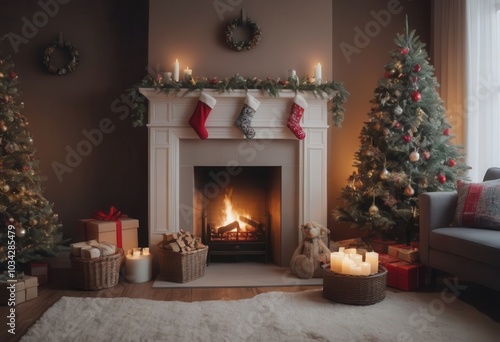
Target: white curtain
482, 102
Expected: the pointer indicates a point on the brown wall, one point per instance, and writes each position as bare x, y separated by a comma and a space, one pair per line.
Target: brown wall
112, 37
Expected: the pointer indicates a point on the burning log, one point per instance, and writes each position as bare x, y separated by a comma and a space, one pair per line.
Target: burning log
257, 225
229, 227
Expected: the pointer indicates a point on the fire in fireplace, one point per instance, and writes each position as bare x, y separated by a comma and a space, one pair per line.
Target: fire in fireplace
236, 220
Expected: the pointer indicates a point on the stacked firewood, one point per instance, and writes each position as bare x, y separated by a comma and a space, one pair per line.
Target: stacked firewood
182, 242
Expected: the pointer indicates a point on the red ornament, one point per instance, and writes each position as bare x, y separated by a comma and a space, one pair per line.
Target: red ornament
12, 75
387, 75
407, 138
404, 51
446, 131
441, 178
452, 162
214, 80
415, 96
398, 125
426, 155
417, 68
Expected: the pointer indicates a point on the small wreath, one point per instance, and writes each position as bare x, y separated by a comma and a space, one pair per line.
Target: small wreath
71, 66
240, 45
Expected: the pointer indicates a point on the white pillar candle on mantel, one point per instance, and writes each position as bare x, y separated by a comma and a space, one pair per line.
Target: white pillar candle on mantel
138, 266
317, 74
372, 259
187, 73
176, 71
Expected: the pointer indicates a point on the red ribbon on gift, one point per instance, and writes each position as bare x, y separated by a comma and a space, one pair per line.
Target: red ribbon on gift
113, 215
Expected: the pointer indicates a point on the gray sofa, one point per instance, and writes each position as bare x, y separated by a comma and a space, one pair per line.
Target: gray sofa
471, 254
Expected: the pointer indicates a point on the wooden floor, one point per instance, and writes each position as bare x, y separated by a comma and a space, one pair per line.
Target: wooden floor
29, 312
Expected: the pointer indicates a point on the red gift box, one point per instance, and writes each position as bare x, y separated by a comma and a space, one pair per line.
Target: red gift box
405, 276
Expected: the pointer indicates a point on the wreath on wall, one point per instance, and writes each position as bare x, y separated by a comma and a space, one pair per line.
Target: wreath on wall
70, 48
240, 45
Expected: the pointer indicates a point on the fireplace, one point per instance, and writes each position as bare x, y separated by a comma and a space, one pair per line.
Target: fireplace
236, 214
295, 169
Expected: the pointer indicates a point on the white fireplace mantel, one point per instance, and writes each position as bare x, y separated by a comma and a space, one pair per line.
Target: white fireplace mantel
168, 126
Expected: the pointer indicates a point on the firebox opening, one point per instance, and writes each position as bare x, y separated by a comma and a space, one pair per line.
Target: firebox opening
240, 211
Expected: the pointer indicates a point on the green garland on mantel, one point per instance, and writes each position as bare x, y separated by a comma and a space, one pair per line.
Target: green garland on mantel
334, 91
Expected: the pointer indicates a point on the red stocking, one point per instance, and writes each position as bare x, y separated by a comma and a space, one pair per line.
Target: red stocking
299, 104
201, 113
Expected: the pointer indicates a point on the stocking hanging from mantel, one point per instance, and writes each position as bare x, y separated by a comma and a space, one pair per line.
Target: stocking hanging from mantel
244, 121
200, 115
298, 107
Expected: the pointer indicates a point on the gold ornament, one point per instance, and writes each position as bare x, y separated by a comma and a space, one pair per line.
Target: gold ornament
373, 210
20, 232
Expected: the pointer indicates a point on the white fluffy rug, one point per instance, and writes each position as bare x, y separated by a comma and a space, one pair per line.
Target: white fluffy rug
273, 316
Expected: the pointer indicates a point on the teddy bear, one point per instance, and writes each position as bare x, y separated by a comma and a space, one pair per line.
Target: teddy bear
311, 252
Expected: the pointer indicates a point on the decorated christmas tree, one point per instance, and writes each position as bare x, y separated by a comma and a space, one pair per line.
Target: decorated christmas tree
405, 150
29, 230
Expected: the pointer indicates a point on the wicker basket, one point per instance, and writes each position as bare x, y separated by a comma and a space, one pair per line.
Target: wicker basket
182, 267
356, 290
96, 274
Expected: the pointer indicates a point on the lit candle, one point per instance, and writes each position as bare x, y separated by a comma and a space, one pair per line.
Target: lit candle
138, 268
346, 265
350, 251
336, 261
145, 251
365, 268
187, 73
342, 249
176, 71
317, 73
355, 270
372, 259
357, 258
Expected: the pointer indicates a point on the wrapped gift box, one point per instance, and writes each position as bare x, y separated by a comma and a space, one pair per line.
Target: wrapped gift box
381, 246
409, 254
405, 276
393, 249
384, 259
39, 270
26, 288
106, 231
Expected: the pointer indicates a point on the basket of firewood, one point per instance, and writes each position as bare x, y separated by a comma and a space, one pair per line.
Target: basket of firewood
182, 257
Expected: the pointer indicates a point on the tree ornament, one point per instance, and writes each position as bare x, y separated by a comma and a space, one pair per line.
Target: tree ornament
441, 178
5, 188
426, 155
409, 191
12, 75
423, 183
398, 110
446, 131
451, 162
414, 156
20, 231
384, 174
373, 210
386, 132
404, 51
416, 96
407, 138
417, 67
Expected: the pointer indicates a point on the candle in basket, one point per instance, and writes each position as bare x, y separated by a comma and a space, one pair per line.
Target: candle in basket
372, 259
138, 266
336, 261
